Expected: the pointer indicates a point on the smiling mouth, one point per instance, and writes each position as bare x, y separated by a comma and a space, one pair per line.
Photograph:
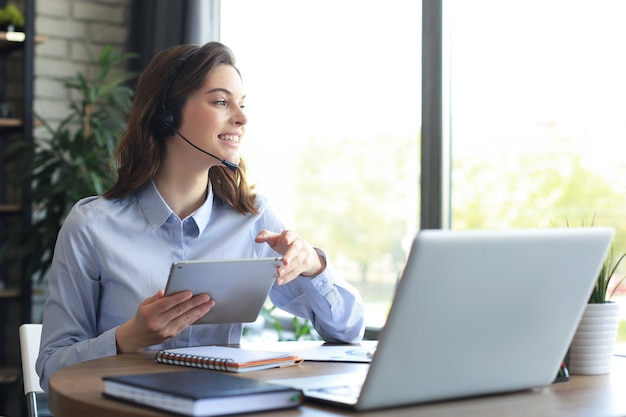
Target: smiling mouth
229, 138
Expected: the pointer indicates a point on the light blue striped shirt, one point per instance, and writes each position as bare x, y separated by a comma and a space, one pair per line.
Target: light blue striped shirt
113, 254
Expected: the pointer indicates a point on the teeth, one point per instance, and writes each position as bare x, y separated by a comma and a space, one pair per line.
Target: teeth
230, 138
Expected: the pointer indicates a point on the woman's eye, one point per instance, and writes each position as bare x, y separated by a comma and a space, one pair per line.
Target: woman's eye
221, 102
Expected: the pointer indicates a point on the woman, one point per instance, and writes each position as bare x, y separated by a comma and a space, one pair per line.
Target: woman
181, 193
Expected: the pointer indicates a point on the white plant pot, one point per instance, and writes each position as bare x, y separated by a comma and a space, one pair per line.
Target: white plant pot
591, 351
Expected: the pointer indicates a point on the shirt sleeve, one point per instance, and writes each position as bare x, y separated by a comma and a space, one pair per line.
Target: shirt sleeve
333, 306
69, 333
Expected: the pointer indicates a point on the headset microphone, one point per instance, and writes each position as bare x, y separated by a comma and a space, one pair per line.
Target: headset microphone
169, 117
230, 165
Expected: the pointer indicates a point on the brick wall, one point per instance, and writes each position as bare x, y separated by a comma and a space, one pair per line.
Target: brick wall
72, 27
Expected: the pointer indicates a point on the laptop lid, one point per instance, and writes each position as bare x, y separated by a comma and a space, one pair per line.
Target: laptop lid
475, 312
483, 312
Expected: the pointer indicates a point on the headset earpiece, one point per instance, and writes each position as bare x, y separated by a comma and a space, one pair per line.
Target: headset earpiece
167, 120
167, 116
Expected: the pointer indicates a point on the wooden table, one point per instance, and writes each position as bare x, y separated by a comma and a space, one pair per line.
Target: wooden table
76, 391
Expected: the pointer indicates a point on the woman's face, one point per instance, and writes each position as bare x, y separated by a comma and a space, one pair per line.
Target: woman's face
213, 117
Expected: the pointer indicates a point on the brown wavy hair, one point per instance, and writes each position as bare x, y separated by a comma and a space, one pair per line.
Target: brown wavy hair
139, 153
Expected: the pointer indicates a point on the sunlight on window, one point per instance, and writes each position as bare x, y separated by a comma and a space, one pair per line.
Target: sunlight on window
334, 106
538, 114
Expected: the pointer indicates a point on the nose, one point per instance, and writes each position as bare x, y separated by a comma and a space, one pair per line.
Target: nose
239, 118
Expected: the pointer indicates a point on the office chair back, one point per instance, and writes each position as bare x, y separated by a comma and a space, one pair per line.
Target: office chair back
36, 398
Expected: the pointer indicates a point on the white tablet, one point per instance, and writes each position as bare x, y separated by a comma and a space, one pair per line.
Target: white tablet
238, 286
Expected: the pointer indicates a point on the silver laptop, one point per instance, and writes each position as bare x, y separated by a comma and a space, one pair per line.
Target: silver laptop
475, 312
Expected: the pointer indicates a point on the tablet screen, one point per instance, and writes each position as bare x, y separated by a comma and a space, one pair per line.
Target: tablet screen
238, 286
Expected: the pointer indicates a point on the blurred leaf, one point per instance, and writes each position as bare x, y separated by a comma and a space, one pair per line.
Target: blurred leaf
72, 161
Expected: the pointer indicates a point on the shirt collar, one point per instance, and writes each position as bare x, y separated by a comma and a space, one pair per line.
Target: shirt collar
202, 215
157, 211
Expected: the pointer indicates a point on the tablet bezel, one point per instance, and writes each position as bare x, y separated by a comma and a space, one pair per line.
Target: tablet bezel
239, 286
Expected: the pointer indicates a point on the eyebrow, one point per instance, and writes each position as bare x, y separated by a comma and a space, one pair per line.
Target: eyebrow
222, 90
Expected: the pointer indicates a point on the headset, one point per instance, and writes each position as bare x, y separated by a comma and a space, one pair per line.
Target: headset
169, 118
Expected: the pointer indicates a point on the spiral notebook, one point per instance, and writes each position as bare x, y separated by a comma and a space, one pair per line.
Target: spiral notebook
224, 358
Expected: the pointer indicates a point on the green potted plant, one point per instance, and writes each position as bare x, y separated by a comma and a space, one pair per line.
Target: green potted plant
11, 18
593, 344
607, 273
72, 160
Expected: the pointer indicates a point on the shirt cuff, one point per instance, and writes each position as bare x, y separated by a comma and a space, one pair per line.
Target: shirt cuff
322, 255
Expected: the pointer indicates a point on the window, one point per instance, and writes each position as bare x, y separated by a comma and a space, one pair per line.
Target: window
334, 107
534, 108
538, 114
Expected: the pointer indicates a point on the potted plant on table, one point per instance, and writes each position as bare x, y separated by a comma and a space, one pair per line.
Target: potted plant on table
592, 348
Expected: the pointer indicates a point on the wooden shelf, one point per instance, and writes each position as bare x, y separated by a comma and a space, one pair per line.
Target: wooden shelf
10, 124
10, 293
10, 209
14, 40
17, 50
9, 375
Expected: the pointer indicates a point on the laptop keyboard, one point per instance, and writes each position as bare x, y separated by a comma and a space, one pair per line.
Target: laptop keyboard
348, 383
351, 391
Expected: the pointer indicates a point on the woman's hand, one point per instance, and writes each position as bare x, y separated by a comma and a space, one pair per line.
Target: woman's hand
299, 258
160, 318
